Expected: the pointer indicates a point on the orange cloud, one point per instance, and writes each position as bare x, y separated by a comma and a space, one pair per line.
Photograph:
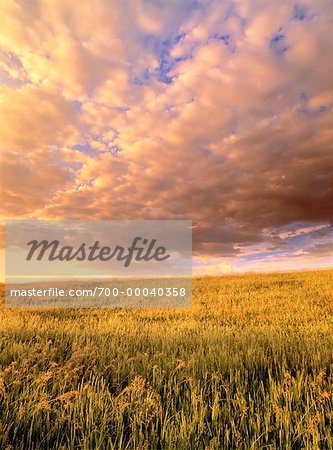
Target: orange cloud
216, 112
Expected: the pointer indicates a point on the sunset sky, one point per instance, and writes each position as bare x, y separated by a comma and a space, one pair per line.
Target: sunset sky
219, 112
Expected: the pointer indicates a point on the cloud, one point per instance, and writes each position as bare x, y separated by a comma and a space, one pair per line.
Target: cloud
34, 117
220, 113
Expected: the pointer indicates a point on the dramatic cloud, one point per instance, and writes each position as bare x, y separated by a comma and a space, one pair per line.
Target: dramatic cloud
219, 112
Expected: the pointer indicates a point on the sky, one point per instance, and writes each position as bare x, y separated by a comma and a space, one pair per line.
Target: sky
218, 112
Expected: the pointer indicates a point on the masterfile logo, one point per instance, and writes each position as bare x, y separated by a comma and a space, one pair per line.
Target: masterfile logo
140, 250
98, 263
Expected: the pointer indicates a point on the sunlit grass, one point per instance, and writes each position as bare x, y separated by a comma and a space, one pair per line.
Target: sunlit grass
248, 367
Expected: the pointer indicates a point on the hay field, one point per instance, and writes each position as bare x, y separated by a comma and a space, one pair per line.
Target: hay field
248, 367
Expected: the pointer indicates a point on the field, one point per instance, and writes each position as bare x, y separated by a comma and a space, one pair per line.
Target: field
248, 367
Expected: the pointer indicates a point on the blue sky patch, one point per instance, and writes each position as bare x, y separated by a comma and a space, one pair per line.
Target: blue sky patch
278, 43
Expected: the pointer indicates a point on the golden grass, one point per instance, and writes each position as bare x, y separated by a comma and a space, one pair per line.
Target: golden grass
248, 367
